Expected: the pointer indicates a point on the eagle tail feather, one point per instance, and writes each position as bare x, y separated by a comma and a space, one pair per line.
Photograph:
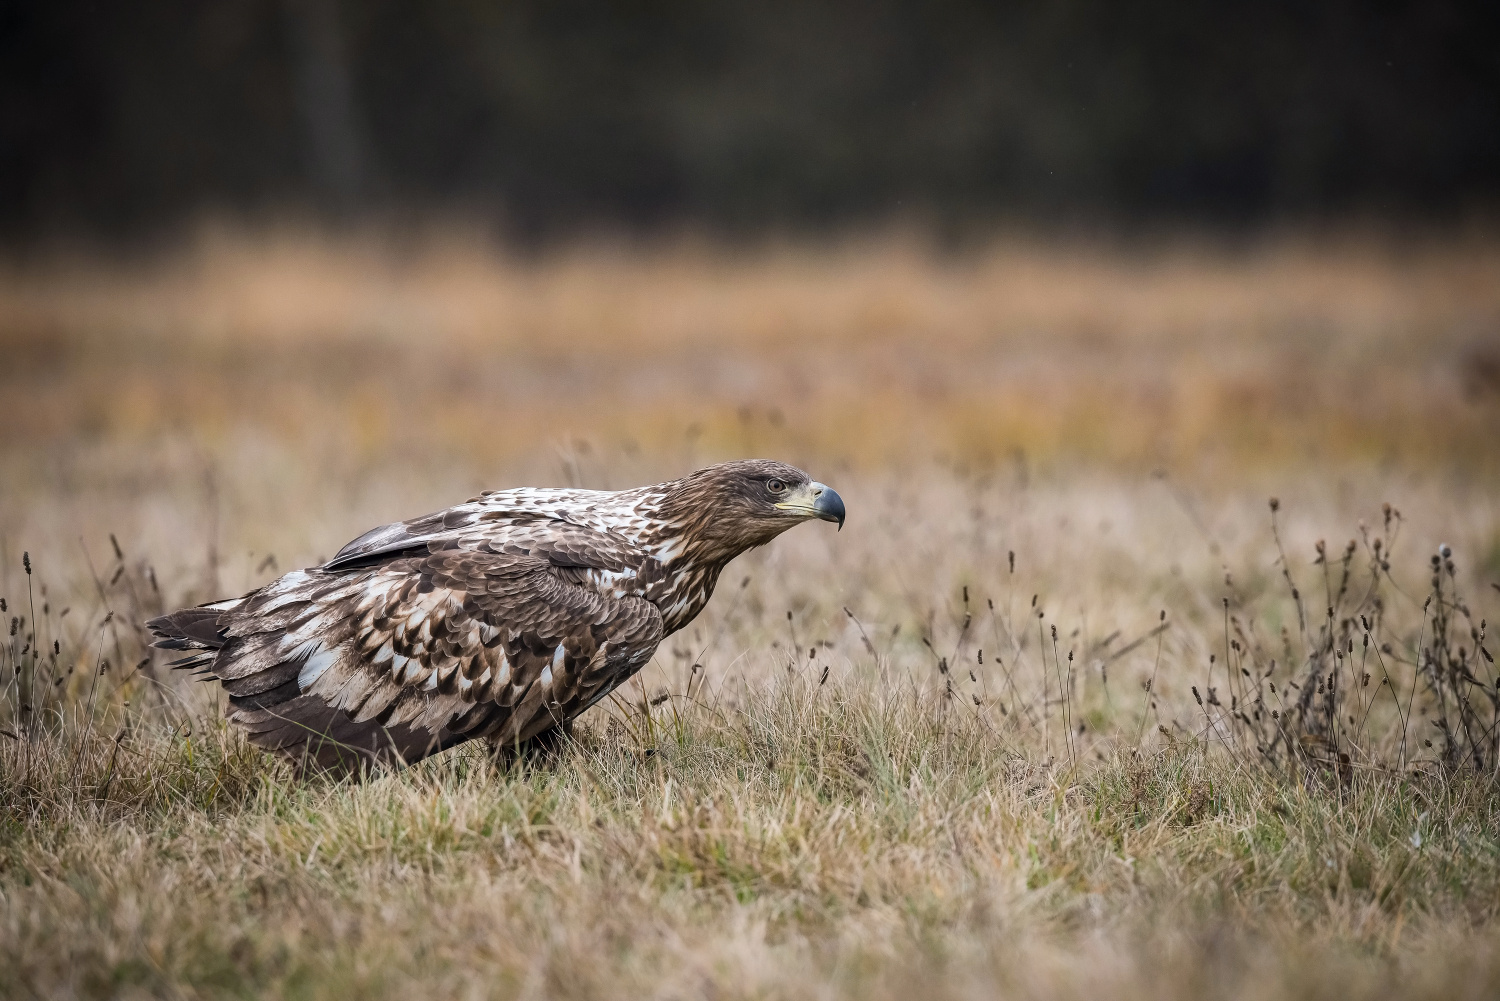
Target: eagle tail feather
200, 665
189, 629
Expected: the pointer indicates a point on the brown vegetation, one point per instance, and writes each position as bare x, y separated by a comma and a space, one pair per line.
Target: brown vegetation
1064, 710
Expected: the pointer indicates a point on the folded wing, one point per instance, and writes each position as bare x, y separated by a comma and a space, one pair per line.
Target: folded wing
400, 654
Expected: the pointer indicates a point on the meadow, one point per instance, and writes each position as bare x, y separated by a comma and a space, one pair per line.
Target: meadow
1151, 662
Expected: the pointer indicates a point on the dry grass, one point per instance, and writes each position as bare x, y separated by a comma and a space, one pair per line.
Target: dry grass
1132, 357
833, 804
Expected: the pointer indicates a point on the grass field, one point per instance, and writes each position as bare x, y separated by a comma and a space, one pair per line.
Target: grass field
1067, 709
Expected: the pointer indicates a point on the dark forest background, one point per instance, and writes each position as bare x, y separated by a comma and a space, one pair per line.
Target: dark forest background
119, 118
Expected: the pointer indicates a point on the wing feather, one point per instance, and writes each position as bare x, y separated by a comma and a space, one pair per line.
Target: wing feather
474, 637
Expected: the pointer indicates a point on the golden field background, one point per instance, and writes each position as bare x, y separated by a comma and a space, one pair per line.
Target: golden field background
278, 390
850, 795
875, 350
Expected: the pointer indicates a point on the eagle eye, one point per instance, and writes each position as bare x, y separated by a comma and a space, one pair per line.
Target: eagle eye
775, 486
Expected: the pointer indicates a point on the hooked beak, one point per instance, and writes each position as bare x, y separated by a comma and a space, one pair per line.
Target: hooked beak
816, 500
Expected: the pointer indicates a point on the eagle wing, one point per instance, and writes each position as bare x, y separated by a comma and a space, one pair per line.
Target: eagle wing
401, 653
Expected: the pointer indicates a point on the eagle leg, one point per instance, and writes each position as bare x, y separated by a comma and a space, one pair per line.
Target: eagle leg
545, 749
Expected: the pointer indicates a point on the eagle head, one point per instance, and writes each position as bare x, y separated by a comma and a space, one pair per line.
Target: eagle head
725, 509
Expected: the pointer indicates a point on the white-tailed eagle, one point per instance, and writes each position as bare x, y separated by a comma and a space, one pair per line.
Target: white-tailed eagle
500, 618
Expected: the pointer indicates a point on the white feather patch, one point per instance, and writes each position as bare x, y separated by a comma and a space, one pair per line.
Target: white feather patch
315, 666
557, 663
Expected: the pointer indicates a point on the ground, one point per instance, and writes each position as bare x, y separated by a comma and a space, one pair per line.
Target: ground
985, 740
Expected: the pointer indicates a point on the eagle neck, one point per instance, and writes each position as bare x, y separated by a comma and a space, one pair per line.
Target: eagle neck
685, 592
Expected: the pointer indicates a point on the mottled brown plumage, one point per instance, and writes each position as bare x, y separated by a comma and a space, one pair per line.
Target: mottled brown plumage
501, 618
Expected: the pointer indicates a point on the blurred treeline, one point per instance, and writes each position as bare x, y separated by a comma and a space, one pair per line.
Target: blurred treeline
548, 114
